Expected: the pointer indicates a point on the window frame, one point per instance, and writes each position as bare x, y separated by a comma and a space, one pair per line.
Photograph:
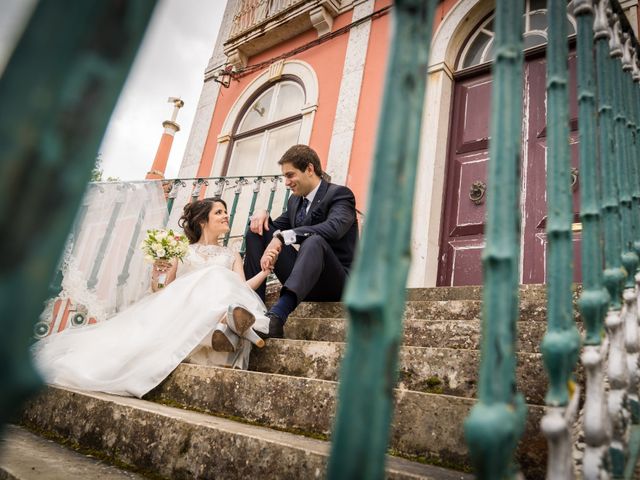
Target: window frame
234, 137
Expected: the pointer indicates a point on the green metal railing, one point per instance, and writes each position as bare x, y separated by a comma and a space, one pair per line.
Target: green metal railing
609, 116
240, 185
496, 422
87, 48
58, 91
561, 342
376, 291
594, 299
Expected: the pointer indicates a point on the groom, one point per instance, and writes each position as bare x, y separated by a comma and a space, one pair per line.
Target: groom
310, 246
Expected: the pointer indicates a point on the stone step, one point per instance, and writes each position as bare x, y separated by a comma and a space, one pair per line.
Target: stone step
171, 442
530, 310
25, 456
424, 369
425, 425
529, 292
418, 333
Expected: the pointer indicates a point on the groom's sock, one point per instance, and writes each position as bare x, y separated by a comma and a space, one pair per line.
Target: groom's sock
285, 305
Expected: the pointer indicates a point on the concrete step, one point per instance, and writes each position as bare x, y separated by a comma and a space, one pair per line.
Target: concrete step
25, 456
174, 443
424, 369
425, 425
530, 310
462, 334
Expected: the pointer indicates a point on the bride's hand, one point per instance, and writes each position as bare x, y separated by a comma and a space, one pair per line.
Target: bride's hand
162, 265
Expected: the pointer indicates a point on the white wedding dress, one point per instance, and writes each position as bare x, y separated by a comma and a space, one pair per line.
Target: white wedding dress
135, 350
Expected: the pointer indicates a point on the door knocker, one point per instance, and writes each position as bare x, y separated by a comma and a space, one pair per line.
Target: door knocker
476, 193
574, 178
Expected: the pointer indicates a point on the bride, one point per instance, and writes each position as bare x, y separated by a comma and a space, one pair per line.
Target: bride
206, 303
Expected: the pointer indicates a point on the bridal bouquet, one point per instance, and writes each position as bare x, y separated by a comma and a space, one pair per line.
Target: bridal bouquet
163, 244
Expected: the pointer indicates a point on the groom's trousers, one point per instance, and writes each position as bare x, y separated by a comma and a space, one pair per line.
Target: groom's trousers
313, 273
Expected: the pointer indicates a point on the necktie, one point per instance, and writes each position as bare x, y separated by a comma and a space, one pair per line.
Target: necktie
302, 212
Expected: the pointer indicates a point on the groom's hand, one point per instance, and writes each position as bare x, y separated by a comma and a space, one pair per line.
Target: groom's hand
270, 256
259, 221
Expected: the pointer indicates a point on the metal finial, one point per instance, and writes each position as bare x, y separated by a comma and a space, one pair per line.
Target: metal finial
615, 45
600, 26
626, 53
635, 70
582, 7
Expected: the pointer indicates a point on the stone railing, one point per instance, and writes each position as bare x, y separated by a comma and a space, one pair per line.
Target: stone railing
253, 12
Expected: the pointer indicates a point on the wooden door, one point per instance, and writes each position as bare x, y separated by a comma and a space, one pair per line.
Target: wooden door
534, 169
462, 234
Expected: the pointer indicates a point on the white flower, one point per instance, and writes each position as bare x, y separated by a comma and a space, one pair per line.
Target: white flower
161, 253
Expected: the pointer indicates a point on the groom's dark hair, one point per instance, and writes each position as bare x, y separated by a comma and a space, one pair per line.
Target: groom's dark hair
300, 156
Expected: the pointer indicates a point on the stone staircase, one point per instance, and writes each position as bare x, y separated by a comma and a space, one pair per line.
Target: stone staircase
274, 420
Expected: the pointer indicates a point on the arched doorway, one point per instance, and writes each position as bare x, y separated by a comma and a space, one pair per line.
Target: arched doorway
462, 221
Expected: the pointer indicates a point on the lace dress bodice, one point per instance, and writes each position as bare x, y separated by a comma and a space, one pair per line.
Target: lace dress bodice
201, 256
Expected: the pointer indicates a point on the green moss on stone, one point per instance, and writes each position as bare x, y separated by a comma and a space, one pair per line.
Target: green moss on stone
111, 459
433, 460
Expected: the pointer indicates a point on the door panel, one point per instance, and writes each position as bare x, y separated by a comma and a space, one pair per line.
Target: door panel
463, 226
462, 234
534, 169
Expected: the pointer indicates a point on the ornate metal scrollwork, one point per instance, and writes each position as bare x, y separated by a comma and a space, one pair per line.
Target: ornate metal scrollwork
574, 178
477, 191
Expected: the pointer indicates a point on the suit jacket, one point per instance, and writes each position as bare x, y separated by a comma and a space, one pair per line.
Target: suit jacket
332, 215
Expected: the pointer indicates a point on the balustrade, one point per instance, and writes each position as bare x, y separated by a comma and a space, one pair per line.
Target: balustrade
251, 13
82, 287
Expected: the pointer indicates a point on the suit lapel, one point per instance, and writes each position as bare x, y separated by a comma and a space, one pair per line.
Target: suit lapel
322, 190
292, 208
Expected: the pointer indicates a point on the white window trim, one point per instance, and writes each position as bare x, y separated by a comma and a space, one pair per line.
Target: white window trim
297, 68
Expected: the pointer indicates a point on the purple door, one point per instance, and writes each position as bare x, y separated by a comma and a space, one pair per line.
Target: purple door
462, 234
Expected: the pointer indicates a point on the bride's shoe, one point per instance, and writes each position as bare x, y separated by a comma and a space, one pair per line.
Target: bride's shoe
253, 337
239, 319
223, 339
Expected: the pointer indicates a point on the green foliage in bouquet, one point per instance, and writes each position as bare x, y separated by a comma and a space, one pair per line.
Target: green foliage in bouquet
163, 244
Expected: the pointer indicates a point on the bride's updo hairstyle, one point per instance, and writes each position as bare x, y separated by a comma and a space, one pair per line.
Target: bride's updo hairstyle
195, 214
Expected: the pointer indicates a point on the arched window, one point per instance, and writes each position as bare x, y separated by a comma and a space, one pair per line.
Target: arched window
479, 47
268, 125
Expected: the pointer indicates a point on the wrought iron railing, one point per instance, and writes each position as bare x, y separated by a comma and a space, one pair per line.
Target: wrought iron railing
609, 125
50, 131
71, 304
45, 137
243, 195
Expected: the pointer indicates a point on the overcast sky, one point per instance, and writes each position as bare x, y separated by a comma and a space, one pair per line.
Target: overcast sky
170, 63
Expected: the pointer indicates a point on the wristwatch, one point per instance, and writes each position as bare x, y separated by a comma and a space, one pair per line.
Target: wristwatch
278, 234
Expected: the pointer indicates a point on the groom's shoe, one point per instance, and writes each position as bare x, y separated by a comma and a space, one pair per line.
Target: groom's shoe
276, 326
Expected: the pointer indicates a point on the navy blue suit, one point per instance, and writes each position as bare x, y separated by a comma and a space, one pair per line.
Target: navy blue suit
327, 237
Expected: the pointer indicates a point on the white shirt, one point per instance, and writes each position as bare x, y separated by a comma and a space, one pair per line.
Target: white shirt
311, 195
289, 235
